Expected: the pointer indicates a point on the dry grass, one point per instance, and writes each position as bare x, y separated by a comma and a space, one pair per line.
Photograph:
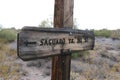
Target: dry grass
74, 75
118, 46
97, 67
8, 69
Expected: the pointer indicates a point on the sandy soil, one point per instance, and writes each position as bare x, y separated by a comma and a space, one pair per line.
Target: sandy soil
95, 66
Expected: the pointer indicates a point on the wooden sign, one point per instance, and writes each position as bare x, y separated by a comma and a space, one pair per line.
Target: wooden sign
34, 42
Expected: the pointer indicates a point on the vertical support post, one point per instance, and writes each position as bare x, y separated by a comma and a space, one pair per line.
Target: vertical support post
63, 17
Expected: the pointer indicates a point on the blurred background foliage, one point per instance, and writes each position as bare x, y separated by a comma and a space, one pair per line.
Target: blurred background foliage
8, 35
10, 70
103, 33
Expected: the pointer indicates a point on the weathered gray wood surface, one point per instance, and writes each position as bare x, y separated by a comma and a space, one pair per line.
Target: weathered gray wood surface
36, 42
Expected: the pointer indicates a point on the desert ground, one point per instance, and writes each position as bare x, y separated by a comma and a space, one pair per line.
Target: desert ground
102, 63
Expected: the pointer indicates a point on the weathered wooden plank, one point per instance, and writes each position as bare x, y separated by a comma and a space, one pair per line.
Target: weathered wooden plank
36, 42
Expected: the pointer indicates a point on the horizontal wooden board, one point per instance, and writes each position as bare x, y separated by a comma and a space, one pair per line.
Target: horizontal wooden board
34, 43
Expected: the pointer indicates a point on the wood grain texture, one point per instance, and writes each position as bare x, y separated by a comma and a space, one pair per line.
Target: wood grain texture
63, 18
63, 15
34, 43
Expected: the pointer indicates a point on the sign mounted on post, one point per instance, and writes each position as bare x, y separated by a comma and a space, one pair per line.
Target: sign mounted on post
34, 42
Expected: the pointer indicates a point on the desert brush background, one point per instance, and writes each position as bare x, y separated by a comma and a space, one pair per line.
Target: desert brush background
102, 63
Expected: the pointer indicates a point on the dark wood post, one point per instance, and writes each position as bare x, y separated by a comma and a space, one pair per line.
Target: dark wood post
63, 17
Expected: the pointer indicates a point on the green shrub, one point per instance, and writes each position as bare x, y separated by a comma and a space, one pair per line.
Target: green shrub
7, 35
80, 54
102, 33
75, 55
84, 53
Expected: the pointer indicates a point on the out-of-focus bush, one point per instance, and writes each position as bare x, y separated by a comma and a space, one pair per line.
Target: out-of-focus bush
7, 35
75, 55
80, 54
102, 33
115, 34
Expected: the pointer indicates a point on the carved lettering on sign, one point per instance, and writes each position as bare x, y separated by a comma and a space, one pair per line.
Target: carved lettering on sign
27, 43
56, 41
52, 41
39, 42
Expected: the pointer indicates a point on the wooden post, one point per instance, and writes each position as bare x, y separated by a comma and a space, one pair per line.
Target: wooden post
36, 43
63, 17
